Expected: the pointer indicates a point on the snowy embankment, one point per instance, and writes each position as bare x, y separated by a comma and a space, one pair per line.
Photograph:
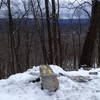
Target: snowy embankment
20, 86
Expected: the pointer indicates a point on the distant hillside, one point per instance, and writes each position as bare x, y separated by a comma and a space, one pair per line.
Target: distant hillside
67, 21
65, 24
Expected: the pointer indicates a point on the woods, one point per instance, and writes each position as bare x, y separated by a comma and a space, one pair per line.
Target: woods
39, 32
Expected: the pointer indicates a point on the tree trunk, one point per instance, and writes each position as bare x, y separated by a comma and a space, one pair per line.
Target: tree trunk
89, 45
42, 36
11, 36
59, 35
54, 30
99, 36
50, 51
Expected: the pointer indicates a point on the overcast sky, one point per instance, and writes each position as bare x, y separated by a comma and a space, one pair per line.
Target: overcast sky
64, 12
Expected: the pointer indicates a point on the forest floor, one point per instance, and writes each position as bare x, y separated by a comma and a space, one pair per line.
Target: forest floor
73, 85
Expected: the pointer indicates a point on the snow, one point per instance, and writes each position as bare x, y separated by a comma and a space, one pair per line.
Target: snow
20, 86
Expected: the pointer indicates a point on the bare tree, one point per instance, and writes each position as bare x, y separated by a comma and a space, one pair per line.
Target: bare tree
54, 30
50, 44
42, 35
11, 36
89, 45
59, 35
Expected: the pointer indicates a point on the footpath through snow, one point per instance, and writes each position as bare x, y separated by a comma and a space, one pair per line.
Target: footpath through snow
20, 86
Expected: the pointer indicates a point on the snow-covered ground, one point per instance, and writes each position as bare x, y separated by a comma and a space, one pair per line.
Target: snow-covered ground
20, 86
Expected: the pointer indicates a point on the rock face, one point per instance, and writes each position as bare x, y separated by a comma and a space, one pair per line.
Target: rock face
49, 79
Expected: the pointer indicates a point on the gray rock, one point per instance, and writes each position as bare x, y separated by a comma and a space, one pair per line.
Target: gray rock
80, 78
93, 73
49, 79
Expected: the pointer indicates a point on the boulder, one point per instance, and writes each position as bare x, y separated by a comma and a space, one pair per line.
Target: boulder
49, 79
